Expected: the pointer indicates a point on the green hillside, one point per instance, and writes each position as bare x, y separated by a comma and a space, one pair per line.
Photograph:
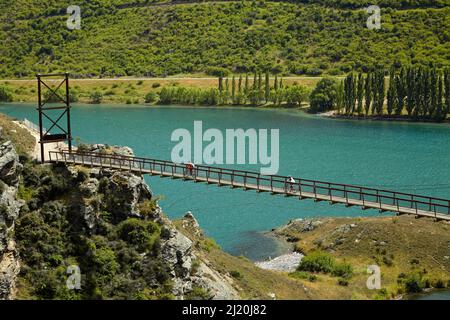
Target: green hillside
141, 38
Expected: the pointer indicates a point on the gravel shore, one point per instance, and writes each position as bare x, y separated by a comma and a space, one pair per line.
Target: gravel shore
286, 263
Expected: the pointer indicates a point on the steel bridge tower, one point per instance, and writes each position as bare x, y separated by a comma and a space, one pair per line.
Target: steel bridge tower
60, 121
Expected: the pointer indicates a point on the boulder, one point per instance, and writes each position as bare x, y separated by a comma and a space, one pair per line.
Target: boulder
9, 164
125, 191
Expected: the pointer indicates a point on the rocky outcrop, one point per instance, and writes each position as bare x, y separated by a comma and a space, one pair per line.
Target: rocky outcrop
123, 194
187, 269
9, 211
89, 194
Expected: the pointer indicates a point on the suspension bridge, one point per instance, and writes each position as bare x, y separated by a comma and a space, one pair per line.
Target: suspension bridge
333, 193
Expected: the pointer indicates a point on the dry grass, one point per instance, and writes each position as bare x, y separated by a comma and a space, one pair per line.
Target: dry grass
397, 244
23, 141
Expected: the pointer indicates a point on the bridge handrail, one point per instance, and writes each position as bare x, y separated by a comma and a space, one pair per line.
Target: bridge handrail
330, 186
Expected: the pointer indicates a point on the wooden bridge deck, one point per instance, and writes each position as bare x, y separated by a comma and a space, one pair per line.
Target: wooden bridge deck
350, 195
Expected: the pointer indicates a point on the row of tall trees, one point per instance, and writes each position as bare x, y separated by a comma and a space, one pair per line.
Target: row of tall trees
420, 93
259, 90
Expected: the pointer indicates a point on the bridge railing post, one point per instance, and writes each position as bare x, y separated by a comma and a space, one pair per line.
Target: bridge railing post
345, 194
257, 182
315, 189
245, 180
329, 192
300, 188
271, 184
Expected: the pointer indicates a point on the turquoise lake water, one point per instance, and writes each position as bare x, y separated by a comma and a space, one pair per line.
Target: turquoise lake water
406, 157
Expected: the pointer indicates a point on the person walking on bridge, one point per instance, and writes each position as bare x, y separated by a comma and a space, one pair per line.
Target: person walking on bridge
291, 182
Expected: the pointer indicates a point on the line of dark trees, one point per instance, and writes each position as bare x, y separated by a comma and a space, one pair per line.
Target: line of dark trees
415, 92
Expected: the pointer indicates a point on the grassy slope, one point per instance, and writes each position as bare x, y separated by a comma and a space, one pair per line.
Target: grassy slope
155, 41
23, 141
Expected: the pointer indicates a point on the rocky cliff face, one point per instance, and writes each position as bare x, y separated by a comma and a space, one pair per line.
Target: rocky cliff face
100, 210
9, 211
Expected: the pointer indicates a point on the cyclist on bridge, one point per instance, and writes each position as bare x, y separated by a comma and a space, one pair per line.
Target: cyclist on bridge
190, 168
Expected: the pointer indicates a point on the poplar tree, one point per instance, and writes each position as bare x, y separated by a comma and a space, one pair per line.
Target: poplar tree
227, 91
368, 92
381, 91
400, 85
233, 90
391, 94
260, 89
246, 88
360, 93
340, 97
426, 87
347, 94
447, 90
440, 109
418, 103
239, 95
220, 84
267, 87
433, 92
410, 88
374, 93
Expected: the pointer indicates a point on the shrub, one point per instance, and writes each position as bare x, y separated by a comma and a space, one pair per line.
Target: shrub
236, 274
343, 270
303, 275
5, 94
60, 96
96, 97
414, 283
217, 71
343, 282
198, 293
147, 208
439, 284
156, 85
151, 97
139, 233
319, 261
